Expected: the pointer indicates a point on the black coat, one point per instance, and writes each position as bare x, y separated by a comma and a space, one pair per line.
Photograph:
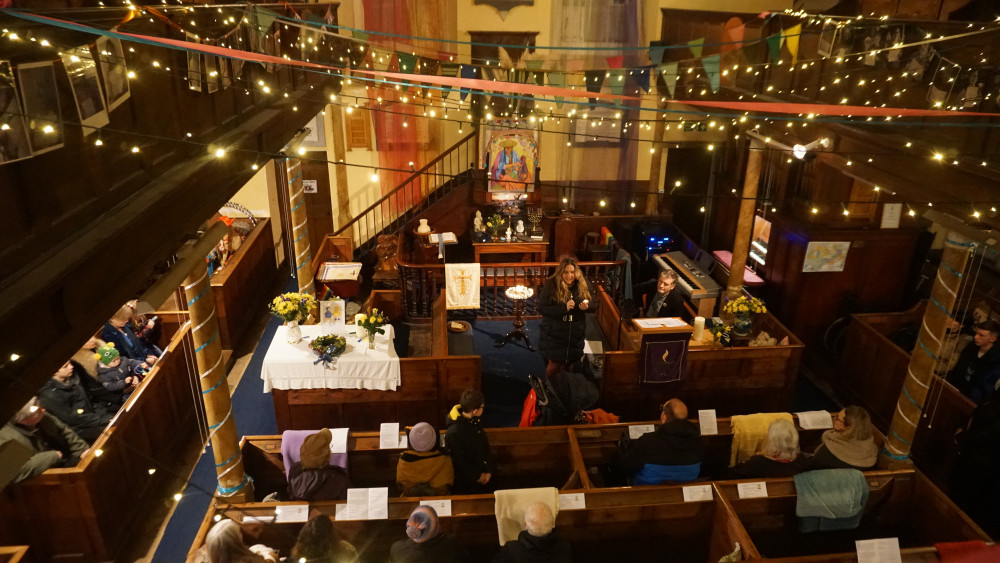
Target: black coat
672, 306
68, 401
441, 549
470, 454
765, 467
323, 483
550, 548
562, 331
677, 442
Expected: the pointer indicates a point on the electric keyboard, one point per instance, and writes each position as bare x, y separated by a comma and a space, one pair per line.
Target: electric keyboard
695, 284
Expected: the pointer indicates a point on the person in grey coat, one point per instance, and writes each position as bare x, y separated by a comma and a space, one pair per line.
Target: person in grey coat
52, 443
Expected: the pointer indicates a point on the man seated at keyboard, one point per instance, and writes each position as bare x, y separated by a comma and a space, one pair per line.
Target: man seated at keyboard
673, 452
663, 299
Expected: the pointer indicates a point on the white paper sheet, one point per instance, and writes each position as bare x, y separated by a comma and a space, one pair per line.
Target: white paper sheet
262, 519
694, 493
338, 442
378, 503
757, 489
660, 322
388, 436
637, 430
593, 347
708, 423
882, 550
357, 504
573, 501
441, 506
291, 513
340, 513
403, 442
814, 419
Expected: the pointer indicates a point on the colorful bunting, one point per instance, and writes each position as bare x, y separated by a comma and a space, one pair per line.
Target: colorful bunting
642, 78
791, 36
668, 72
711, 64
617, 78
656, 53
696, 47
595, 80
558, 80
615, 62
774, 47
467, 71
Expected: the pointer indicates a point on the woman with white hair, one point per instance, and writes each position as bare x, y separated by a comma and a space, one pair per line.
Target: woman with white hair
778, 457
224, 544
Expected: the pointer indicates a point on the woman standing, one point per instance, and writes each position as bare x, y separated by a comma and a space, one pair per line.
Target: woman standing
564, 299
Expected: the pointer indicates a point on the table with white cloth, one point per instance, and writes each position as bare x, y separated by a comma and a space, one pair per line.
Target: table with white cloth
293, 366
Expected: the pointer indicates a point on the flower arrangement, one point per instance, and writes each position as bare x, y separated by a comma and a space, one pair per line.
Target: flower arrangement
720, 331
292, 306
373, 322
330, 344
496, 224
743, 305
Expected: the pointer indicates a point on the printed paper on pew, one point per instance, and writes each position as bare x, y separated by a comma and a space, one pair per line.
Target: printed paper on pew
660, 322
883, 550
357, 504
338, 441
573, 501
388, 436
694, 493
756, 489
378, 503
262, 519
403, 442
637, 430
441, 506
291, 513
708, 423
593, 347
814, 419
340, 512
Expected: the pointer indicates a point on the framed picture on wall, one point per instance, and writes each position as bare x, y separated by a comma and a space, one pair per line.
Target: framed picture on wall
14, 138
111, 57
86, 85
42, 109
316, 138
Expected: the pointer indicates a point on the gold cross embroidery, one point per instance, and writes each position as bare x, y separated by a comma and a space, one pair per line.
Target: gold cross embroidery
463, 278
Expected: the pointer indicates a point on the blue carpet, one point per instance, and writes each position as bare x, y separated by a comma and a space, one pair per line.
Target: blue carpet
505, 370
253, 412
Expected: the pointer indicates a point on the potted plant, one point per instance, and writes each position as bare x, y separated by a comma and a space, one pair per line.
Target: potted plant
292, 308
743, 309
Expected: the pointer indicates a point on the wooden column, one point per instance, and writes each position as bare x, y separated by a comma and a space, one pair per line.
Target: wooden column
340, 170
300, 226
930, 343
744, 226
655, 163
233, 482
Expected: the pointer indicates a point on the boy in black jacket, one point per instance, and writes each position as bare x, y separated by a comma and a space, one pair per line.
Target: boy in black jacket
469, 446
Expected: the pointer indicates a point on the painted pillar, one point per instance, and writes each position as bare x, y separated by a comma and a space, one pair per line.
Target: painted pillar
930, 342
233, 482
300, 227
744, 225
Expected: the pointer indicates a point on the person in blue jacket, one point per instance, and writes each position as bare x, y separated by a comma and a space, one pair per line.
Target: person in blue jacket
673, 452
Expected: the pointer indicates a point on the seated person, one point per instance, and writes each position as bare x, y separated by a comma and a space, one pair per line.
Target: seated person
469, 446
848, 445
425, 543
148, 330
539, 541
978, 367
224, 542
319, 541
54, 444
663, 299
117, 374
424, 470
673, 452
312, 477
66, 398
778, 457
85, 364
119, 332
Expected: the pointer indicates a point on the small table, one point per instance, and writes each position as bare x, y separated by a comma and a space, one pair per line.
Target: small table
518, 294
529, 249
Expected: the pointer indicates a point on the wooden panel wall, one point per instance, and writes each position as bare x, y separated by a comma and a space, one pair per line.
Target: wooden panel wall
239, 288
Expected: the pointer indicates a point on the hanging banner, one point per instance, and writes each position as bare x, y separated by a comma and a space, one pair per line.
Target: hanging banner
461, 282
711, 64
111, 59
791, 37
41, 106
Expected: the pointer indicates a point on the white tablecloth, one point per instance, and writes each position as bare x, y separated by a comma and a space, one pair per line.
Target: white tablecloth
290, 366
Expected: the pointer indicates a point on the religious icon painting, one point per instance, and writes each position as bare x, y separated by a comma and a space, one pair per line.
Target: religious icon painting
193, 66
42, 111
86, 85
14, 144
827, 39
111, 59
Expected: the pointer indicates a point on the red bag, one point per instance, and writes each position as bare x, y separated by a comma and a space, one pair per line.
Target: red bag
600, 416
529, 414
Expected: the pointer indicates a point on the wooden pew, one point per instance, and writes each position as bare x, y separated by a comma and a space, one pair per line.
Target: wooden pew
89, 512
14, 554
736, 380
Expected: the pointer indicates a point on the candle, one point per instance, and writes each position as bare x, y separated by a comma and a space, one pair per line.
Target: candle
358, 318
699, 328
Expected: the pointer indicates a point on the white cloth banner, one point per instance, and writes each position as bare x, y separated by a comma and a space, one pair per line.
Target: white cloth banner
292, 366
461, 282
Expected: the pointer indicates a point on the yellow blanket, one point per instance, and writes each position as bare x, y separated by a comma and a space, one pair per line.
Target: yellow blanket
749, 432
510, 505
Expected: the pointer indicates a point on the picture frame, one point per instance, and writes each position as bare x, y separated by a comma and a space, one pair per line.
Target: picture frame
42, 109
333, 312
114, 72
81, 68
193, 66
14, 143
827, 39
317, 134
211, 72
826, 256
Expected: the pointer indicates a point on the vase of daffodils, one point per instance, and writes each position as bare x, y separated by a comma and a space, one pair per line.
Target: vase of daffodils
743, 309
496, 225
292, 308
372, 324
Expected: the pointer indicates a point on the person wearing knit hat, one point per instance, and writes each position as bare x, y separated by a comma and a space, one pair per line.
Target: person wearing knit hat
424, 470
117, 373
425, 542
312, 477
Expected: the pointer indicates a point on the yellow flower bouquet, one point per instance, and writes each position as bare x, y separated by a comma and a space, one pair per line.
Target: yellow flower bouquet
743, 305
372, 325
292, 306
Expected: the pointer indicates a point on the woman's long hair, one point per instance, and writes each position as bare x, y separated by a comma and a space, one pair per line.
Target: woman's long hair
562, 292
858, 423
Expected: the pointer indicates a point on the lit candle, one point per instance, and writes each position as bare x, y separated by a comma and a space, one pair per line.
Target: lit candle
699, 328
358, 318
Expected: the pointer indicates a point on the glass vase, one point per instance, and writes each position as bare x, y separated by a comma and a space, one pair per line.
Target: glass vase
742, 324
294, 332
371, 340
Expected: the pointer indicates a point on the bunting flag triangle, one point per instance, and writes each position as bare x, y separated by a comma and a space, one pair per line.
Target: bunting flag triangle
774, 47
733, 37
711, 64
696, 47
668, 72
467, 71
791, 36
534, 64
575, 65
642, 78
360, 35
407, 64
656, 53
595, 80
615, 62
558, 80
451, 70
381, 59
617, 78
